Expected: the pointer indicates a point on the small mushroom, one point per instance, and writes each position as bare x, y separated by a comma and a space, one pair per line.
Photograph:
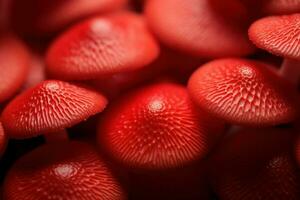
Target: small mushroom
101, 46
39, 18
14, 63
62, 171
49, 107
157, 127
243, 92
194, 27
255, 164
279, 35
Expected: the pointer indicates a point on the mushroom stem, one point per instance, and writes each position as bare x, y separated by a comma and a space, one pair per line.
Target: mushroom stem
290, 70
56, 136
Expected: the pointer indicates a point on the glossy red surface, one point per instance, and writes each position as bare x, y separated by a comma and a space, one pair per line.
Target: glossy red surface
157, 127
14, 63
278, 34
62, 171
50, 106
193, 26
102, 46
256, 164
242, 91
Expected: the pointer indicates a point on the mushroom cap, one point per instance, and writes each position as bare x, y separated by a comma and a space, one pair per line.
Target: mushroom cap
14, 63
3, 140
297, 150
251, 163
157, 127
278, 34
193, 26
50, 106
100, 46
279, 7
35, 17
62, 171
244, 92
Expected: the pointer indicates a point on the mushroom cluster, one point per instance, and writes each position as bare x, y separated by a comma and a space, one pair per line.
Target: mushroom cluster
149, 99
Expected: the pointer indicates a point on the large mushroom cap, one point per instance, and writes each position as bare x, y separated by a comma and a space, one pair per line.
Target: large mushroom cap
278, 35
102, 46
157, 127
62, 171
14, 65
250, 164
244, 92
49, 106
37, 17
193, 26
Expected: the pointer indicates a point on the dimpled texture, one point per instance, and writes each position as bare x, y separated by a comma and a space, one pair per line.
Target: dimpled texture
68, 171
243, 92
3, 140
37, 17
193, 26
102, 46
48, 107
157, 127
14, 64
279, 35
254, 163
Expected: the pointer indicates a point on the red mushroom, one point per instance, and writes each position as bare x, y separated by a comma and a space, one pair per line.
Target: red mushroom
255, 164
157, 127
243, 92
102, 46
35, 17
14, 63
193, 26
279, 35
62, 171
3, 140
48, 107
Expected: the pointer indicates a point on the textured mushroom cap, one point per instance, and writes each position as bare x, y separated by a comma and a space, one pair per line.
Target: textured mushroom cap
3, 140
252, 163
48, 107
157, 127
101, 46
243, 92
278, 35
62, 171
40, 17
194, 27
14, 64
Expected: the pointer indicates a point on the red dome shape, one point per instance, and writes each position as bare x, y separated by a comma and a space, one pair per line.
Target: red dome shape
62, 171
193, 26
102, 46
14, 63
48, 107
3, 140
157, 127
37, 17
255, 164
243, 92
278, 35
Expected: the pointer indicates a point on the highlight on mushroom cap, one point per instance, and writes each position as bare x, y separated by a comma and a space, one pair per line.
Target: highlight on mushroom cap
244, 92
50, 106
65, 170
102, 45
157, 127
